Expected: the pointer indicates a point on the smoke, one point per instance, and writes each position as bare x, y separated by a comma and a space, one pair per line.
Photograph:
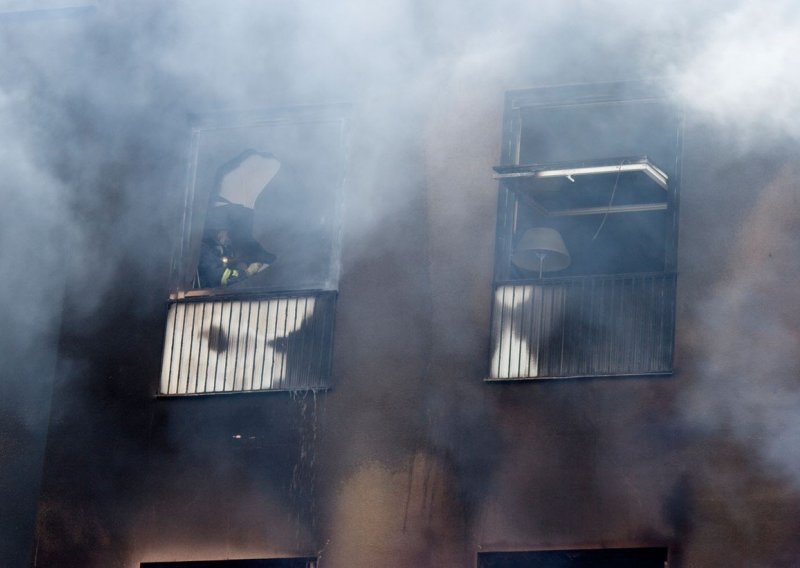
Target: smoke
94, 133
739, 74
750, 390
735, 79
129, 74
117, 65
32, 287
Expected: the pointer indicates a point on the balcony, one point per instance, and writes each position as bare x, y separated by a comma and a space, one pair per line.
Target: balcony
583, 326
280, 342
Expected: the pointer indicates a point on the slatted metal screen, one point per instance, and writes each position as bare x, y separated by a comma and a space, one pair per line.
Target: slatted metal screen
583, 326
243, 345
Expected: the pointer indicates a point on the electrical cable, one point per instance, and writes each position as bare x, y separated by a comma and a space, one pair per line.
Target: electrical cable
610, 201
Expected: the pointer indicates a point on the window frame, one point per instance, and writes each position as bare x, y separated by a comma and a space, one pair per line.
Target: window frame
277, 338
310, 562
563, 96
670, 557
179, 273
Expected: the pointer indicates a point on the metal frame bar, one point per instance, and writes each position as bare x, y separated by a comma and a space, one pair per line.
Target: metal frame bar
637, 208
568, 170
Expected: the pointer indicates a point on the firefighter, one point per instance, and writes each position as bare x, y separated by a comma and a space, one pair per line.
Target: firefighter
228, 252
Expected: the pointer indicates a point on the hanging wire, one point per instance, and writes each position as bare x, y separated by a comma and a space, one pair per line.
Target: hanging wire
610, 202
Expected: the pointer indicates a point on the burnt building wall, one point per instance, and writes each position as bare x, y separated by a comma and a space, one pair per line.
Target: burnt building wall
410, 459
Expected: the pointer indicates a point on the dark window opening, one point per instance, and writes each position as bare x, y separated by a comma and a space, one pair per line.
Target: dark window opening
255, 279
587, 233
614, 219
610, 224
264, 206
597, 558
266, 563
231, 250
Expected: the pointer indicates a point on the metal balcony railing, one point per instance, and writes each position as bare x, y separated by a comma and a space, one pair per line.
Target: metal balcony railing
583, 326
243, 345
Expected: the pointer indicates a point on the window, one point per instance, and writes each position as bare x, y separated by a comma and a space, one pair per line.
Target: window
586, 558
267, 563
587, 233
255, 279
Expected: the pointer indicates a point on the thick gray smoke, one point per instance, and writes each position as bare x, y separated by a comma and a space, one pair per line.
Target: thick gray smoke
736, 77
739, 72
92, 100
30, 312
111, 66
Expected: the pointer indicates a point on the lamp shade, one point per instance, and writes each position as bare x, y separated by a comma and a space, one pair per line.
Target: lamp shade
541, 249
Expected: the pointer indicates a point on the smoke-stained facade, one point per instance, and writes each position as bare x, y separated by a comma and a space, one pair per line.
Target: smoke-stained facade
385, 444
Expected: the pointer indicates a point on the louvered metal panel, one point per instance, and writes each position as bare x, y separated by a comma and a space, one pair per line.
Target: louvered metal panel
583, 326
243, 345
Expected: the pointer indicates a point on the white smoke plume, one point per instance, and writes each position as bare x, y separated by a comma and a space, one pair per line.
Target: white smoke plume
94, 105
740, 71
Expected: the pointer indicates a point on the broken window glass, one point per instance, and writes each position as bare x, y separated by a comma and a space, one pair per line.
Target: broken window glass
254, 287
264, 207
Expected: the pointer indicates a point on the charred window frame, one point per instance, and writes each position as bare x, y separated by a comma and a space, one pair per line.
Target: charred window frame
585, 261
650, 557
255, 277
305, 562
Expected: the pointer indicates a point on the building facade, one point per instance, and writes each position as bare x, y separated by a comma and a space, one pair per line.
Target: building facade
398, 388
